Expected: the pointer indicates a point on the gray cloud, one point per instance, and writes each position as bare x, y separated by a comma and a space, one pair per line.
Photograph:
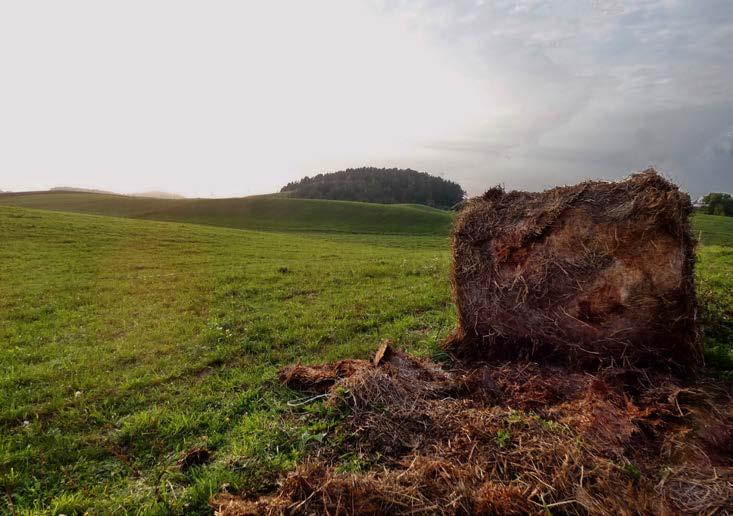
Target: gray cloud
724, 144
597, 88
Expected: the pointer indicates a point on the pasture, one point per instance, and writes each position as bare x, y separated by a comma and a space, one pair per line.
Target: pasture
262, 212
125, 343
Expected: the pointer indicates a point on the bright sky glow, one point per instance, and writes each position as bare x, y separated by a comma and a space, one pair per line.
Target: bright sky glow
233, 98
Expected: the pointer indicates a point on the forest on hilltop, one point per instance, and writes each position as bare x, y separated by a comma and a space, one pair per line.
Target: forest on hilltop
379, 185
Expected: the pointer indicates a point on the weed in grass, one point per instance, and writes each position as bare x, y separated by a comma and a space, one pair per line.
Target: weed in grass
503, 437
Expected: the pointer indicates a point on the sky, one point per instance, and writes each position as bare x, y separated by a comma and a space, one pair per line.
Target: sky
232, 98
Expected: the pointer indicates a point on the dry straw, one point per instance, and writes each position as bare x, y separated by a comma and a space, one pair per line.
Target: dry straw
595, 273
517, 438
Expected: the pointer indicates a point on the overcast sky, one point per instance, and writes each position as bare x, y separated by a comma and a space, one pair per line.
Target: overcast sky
229, 98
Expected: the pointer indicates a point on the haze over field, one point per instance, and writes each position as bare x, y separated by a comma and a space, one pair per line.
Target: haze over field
241, 98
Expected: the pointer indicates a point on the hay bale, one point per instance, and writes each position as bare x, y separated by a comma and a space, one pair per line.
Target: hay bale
595, 273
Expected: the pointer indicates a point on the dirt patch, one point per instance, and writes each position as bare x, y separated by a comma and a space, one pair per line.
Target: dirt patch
515, 438
599, 273
193, 457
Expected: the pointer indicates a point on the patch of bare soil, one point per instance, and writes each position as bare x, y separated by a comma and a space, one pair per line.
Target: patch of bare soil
513, 438
193, 457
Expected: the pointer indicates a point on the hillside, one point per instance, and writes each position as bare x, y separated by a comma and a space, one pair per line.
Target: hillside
80, 190
154, 194
127, 342
279, 213
258, 212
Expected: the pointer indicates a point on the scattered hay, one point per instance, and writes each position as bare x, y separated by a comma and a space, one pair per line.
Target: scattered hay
516, 438
598, 273
318, 378
318, 489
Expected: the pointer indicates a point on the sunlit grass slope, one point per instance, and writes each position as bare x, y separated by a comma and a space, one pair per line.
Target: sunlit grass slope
124, 342
258, 212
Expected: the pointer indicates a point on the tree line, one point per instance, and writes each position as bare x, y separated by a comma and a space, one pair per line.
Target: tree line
380, 185
716, 203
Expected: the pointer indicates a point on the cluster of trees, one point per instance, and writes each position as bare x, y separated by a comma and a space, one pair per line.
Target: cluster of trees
382, 185
718, 204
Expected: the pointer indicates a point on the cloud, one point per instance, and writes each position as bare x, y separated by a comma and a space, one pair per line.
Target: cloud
724, 144
240, 98
591, 89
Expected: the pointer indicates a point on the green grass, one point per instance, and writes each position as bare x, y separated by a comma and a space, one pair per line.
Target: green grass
124, 342
265, 212
279, 212
715, 288
713, 229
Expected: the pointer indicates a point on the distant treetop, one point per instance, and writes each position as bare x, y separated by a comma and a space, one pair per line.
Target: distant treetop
717, 203
380, 185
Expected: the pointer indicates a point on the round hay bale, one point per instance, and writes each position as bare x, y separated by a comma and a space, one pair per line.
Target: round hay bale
597, 273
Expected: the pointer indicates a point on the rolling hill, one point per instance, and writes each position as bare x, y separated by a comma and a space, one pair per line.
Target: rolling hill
266, 212
279, 212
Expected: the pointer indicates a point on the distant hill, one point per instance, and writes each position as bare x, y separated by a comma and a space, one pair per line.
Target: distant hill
265, 212
151, 194
277, 213
79, 190
158, 195
379, 185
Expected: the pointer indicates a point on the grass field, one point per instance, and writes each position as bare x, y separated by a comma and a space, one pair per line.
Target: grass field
713, 230
125, 342
257, 212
